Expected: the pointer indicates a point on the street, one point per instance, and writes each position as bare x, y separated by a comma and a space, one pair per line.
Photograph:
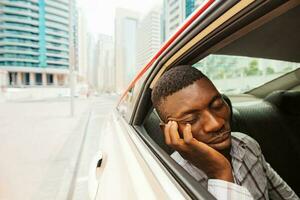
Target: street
45, 153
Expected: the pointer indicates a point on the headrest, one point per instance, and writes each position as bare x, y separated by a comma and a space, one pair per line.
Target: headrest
286, 101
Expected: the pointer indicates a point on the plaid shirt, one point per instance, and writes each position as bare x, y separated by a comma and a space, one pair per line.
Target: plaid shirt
250, 170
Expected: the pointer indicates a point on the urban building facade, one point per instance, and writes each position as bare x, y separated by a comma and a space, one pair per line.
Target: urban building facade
105, 64
198, 3
174, 14
35, 42
126, 23
73, 36
149, 36
91, 61
82, 48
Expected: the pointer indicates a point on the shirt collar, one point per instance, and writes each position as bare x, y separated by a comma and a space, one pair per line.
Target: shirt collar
238, 148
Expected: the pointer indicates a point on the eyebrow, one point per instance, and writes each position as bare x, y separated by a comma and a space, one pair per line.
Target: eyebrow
182, 115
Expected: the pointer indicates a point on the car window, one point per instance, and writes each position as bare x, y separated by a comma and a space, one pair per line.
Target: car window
227, 72
231, 72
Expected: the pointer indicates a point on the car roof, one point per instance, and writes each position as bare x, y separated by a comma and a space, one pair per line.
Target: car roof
284, 45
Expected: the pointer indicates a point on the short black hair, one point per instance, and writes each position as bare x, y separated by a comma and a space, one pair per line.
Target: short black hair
172, 81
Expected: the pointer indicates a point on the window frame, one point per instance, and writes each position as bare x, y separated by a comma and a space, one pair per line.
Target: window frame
143, 104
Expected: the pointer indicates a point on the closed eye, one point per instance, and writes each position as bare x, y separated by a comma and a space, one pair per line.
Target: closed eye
189, 121
217, 104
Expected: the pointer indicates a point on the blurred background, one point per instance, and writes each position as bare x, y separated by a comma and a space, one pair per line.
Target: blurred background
104, 43
96, 47
63, 65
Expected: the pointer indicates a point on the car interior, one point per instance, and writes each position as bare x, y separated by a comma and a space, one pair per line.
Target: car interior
269, 113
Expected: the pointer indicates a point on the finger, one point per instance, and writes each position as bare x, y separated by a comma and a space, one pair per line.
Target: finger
190, 140
193, 142
201, 147
166, 131
187, 134
174, 135
183, 147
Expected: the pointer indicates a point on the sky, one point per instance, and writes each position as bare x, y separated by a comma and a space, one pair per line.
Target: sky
100, 13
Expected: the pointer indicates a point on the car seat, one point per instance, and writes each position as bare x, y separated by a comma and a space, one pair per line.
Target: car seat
274, 122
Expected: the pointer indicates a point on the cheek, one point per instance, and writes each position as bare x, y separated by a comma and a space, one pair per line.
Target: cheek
227, 113
224, 113
197, 132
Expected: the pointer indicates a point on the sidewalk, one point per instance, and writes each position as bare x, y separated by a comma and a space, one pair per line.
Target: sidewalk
39, 147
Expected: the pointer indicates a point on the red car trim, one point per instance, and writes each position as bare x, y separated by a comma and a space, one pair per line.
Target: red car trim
166, 45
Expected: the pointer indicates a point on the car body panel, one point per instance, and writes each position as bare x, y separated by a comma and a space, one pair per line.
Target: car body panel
129, 170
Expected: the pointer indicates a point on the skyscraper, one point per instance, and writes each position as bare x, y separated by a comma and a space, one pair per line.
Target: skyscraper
198, 3
105, 63
35, 41
126, 22
82, 48
73, 36
149, 36
91, 61
175, 12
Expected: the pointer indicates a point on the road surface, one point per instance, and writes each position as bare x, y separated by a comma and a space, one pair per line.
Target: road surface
42, 148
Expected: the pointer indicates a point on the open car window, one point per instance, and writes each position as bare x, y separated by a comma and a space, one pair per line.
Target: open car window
238, 74
243, 64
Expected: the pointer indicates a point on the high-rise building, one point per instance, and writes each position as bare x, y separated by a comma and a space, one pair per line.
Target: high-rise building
189, 7
198, 3
126, 23
101, 71
91, 61
149, 36
82, 48
35, 41
104, 68
73, 36
175, 12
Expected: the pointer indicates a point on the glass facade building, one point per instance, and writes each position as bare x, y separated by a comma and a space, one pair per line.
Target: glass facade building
126, 22
34, 41
174, 14
189, 7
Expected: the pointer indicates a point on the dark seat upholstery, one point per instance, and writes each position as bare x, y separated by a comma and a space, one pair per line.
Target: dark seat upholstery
274, 122
151, 124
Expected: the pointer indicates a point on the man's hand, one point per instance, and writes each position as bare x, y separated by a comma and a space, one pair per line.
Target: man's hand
213, 163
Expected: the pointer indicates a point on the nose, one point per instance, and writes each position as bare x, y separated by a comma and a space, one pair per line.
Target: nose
211, 122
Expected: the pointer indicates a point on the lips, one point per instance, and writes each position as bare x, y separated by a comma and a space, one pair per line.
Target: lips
220, 138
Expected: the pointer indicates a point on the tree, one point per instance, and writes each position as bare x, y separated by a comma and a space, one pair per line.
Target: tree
252, 69
269, 70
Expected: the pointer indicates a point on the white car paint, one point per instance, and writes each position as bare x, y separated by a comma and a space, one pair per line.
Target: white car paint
129, 170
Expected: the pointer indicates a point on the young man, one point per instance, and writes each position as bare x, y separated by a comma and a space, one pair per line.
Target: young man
197, 125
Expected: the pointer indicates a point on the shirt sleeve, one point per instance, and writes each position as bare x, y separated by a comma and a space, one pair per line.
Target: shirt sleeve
277, 187
224, 190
